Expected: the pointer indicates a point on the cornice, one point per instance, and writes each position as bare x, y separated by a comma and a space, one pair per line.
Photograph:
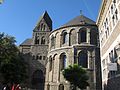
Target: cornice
102, 9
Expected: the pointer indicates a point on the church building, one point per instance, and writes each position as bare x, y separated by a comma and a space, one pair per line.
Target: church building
49, 51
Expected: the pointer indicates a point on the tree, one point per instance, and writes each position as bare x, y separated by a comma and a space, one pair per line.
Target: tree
12, 65
1, 1
77, 76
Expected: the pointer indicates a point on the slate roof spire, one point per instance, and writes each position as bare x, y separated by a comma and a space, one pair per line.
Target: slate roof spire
47, 19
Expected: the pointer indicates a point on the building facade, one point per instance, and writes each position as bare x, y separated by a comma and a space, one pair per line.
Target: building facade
109, 31
35, 52
75, 42
49, 52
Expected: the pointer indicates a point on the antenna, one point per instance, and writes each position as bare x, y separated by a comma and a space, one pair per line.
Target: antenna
81, 12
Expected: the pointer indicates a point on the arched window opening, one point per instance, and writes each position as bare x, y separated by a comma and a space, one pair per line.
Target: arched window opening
40, 57
50, 64
43, 40
113, 20
36, 39
33, 57
37, 57
116, 15
83, 36
52, 41
63, 60
37, 77
114, 2
42, 27
61, 87
83, 59
65, 38
111, 9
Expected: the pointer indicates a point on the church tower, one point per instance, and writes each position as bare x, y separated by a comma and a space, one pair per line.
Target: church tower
35, 51
39, 50
40, 38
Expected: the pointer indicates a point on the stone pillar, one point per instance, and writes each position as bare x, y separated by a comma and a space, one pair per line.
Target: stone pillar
49, 45
90, 60
61, 39
56, 69
53, 61
54, 86
46, 86
69, 41
94, 70
47, 72
78, 38
55, 42
88, 35
70, 60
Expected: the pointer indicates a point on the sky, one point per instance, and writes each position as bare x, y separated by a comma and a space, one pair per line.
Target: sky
19, 17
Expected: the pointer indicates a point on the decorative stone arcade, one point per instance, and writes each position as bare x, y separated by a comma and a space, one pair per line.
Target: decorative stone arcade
74, 42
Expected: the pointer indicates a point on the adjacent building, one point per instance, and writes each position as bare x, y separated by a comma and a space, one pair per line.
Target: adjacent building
109, 31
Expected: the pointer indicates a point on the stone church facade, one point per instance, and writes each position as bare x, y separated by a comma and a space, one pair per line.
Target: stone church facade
35, 52
49, 52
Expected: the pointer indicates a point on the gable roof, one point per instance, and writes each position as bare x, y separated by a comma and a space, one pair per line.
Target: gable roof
47, 19
27, 42
80, 20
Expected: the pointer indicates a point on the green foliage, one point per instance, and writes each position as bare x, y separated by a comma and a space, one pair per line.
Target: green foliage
12, 65
8, 48
1, 1
76, 75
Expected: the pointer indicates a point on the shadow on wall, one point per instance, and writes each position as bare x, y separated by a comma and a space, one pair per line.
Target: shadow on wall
36, 73
113, 83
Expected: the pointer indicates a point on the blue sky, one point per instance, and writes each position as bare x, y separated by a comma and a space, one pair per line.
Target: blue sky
19, 17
